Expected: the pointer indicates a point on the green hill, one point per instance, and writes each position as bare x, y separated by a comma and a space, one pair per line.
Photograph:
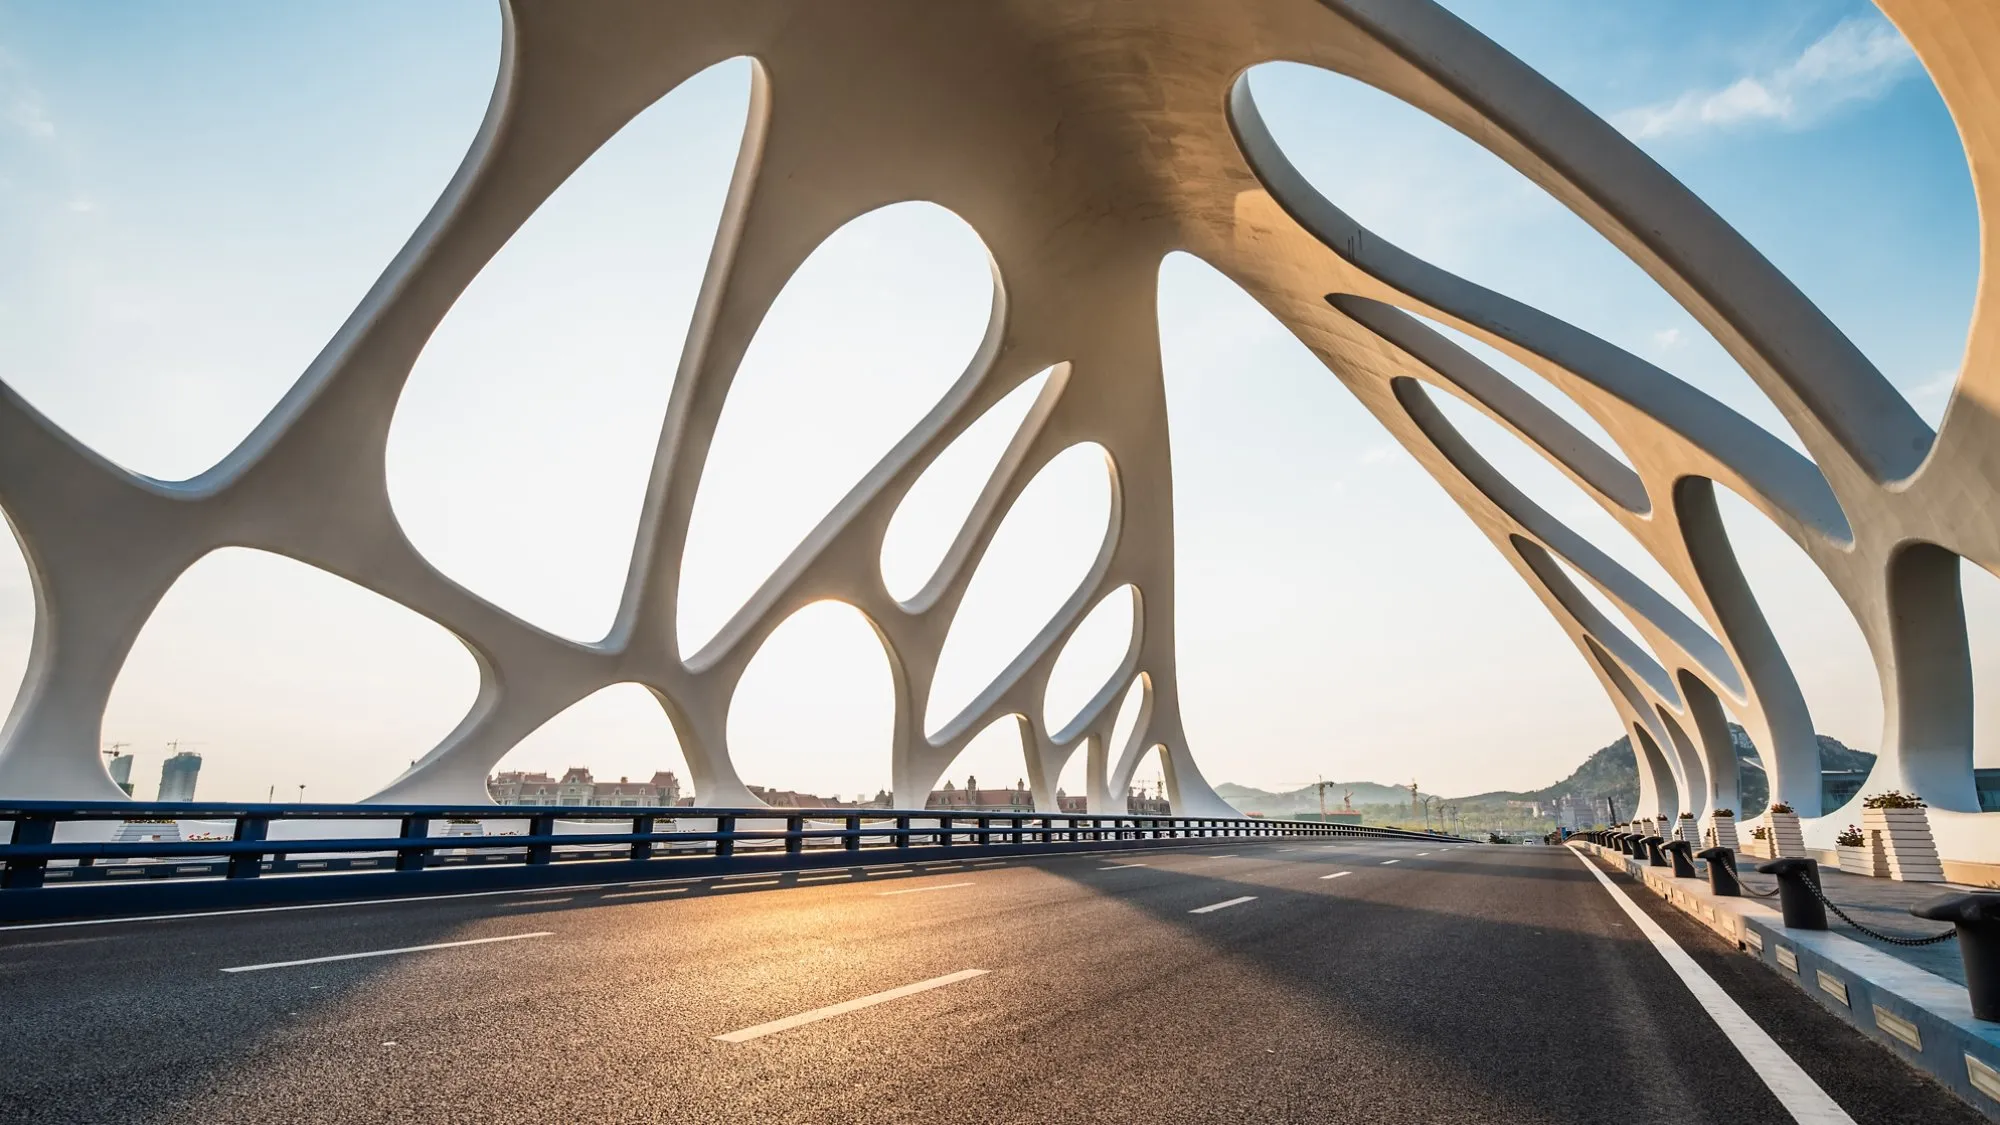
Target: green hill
1610, 772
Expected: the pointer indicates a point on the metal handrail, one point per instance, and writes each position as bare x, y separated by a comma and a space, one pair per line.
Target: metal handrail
734, 837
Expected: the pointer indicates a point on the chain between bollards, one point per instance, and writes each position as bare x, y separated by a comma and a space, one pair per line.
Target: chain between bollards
1878, 935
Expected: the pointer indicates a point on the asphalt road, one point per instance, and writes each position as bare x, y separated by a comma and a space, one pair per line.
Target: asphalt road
1471, 984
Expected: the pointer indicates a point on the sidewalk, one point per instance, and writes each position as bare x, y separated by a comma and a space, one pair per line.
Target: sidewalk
1879, 904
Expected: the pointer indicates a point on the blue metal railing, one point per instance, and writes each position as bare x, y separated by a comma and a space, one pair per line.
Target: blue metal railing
43, 875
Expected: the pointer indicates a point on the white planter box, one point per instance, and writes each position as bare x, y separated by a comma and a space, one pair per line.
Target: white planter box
1901, 843
1721, 833
1688, 830
1786, 838
1856, 859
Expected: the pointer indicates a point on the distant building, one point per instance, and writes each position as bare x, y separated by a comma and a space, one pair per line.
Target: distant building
974, 799
1137, 803
1344, 816
792, 799
1837, 787
577, 787
1575, 812
177, 776
120, 768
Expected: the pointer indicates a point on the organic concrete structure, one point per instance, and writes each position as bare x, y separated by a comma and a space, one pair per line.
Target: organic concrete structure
1084, 140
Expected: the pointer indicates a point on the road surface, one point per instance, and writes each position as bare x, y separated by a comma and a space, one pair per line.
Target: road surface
1280, 981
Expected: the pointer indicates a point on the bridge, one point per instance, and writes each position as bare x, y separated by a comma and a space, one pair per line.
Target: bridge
424, 954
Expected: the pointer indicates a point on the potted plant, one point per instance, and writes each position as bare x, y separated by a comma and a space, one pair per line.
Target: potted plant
1856, 858
1786, 838
1899, 835
1722, 829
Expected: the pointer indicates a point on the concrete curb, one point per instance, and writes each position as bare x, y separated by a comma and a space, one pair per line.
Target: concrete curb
1918, 1016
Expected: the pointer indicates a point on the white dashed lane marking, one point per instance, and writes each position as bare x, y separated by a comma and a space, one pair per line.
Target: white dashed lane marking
831, 1010
383, 952
917, 890
1223, 905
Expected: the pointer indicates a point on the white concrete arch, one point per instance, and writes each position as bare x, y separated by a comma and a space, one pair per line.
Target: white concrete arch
1043, 125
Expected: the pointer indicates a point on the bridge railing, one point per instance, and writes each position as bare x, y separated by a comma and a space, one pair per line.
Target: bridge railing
65, 859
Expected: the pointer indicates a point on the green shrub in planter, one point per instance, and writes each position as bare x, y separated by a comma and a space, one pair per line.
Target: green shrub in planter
1781, 807
1893, 799
1731, 813
1851, 837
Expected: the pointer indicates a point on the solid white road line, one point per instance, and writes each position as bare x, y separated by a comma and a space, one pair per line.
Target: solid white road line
1793, 1087
1231, 855
1389, 861
646, 894
832, 1010
1224, 905
824, 878
744, 886
384, 952
918, 890
1336, 874
1120, 866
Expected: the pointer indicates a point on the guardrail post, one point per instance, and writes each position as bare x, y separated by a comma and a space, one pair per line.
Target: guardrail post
944, 832
1721, 872
985, 835
725, 836
543, 825
248, 830
1797, 879
1653, 856
851, 838
795, 841
1019, 836
642, 849
23, 873
1678, 851
1977, 917
413, 858
903, 832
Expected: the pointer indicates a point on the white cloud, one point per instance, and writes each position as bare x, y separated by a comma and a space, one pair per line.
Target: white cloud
21, 106
1858, 60
1667, 339
1375, 455
28, 115
1936, 386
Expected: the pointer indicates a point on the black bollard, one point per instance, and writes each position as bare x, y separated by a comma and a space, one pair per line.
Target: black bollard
1625, 840
1722, 872
1652, 852
1801, 906
1679, 852
1978, 920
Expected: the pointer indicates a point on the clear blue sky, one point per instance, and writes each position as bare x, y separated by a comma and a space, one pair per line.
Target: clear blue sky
193, 196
